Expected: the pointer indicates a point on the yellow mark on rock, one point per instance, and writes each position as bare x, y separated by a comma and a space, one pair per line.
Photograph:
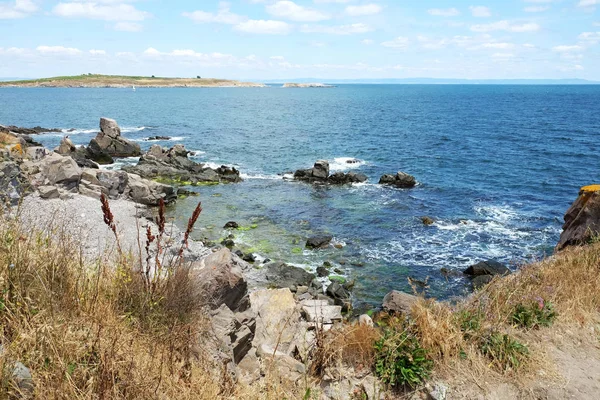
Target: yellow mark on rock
591, 188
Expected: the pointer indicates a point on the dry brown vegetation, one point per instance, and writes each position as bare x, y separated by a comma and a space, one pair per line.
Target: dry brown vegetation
107, 331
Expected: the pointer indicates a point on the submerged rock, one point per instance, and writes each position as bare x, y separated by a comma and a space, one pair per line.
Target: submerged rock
400, 180
29, 131
174, 165
582, 219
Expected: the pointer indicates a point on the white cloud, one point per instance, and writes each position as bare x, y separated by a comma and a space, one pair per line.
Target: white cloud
498, 45
440, 12
108, 11
588, 3
568, 48
503, 56
506, 26
398, 43
536, 9
222, 16
277, 58
367, 42
58, 50
480, 11
589, 38
266, 27
292, 11
366, 9
128, 27
17, 9
338, 29
332, 1
97, 52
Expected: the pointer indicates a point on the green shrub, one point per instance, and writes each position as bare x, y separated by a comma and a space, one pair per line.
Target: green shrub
400, 360
505, 352
469, 322
534, 315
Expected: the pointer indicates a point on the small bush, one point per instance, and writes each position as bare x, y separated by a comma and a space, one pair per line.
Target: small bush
505, 352
534, 315
469, 322
400, 360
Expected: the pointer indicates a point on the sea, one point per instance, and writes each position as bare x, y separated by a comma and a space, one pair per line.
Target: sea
497, 167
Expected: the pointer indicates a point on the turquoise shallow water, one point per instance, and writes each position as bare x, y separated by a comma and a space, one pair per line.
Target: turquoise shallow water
497, 167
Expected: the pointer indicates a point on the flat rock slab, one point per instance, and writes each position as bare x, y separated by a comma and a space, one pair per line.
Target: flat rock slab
324, 314
277, 318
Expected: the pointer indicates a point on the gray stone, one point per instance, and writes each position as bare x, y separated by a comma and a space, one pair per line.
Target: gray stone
321, 169
323, 314
481, 280
365, 320
23, 379
110, 142
319, 241
220, 280
283, 275
398, 302
48, 192
400, 180
58, 169
277, 318
488, 267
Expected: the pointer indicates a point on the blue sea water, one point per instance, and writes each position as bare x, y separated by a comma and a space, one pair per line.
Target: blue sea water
497, 167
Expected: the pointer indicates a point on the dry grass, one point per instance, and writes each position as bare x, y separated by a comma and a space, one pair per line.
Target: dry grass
87, 332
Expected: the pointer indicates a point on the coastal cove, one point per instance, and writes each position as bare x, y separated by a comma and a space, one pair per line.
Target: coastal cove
496, 168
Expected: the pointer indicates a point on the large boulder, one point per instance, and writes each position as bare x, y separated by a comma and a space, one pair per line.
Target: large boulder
340, 178
277, 318
66, 146
109, 142
400, 180
398, 302
174, 165
220, 280
582, 219
282, 275
488, 267
321, 169
319, 241
57, 169
82, 156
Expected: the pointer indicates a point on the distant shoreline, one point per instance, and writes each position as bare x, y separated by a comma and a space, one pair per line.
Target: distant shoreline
115, 81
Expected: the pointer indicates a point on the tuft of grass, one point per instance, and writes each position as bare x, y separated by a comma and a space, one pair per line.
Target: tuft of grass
400, 360
505, 352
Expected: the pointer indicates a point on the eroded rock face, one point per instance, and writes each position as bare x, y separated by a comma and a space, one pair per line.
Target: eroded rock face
173, 164
109, 142
582, 219
221, 281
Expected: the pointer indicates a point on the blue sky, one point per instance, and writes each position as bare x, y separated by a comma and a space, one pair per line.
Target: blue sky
271, 39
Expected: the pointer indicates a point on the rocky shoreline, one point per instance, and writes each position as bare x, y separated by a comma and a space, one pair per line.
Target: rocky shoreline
268, 312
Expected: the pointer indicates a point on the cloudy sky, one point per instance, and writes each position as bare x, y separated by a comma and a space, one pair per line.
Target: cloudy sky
267, 39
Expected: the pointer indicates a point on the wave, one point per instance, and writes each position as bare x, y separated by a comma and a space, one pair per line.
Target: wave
127, 129
247, 176
345, 163
120, 162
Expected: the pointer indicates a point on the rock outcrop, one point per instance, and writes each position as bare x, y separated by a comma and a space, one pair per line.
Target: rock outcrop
398, 302
109, 142
13, 183
582, 219
400, 180
319, 241
483, 272
281, 275
319, 173
28, 131
174, 165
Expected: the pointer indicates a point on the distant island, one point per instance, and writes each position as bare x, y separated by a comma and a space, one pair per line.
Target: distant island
120, 81
306, 85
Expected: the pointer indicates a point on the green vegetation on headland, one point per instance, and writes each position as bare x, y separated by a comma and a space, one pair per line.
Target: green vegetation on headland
118, 81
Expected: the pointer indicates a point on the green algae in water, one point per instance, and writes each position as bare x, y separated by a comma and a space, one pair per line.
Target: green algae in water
297, 250
336, 278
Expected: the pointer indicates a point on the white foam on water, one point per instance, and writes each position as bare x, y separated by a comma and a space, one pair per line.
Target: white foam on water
345, 163
77, 131
260, 176
127, 129
121, 162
